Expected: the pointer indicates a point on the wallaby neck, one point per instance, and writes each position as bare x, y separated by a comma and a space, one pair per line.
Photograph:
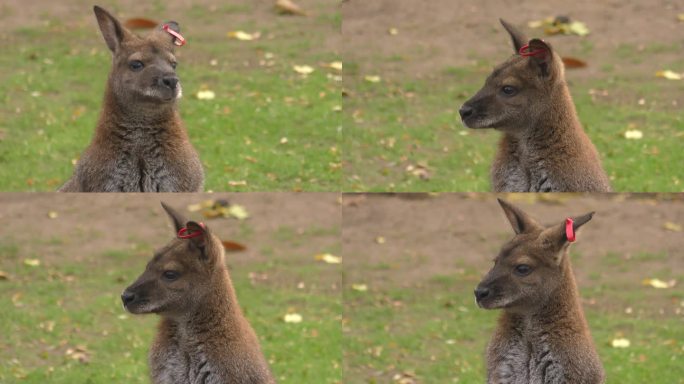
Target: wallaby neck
554, 126
218, 310
116, 113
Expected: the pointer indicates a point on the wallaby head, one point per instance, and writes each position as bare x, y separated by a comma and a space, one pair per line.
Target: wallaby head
518, 91
143, 68
181, 274
529, 268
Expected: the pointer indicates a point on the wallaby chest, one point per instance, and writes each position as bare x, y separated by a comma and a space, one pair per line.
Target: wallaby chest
519, 168
182, 360
525, 359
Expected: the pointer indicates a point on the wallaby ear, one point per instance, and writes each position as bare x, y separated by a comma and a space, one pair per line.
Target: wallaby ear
200, 240
171, 36
520, 221
580, 221
541, 57
517, 37
177, 218
111, 29
556, 237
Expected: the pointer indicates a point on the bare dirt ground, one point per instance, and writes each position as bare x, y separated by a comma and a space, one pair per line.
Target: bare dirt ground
456, 234
87, 225
438, 33
208, 20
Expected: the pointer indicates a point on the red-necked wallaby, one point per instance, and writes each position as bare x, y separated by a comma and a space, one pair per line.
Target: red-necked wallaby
544, 148
542, 336
140, 144
203, 337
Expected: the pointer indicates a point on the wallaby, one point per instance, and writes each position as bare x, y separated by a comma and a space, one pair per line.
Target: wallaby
544, 148
203, 337
542, 336
140, 143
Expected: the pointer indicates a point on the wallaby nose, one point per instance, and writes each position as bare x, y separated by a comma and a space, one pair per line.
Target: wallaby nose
127, 297
481, 293
465, 111
170, 81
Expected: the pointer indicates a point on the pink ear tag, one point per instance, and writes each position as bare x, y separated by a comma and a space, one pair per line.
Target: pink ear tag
180, 40
525, 51
569, 231
184, 234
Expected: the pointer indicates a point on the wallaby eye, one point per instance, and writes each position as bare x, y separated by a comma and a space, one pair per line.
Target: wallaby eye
136, 65
170, 275
522, 269
174, 64
508, 90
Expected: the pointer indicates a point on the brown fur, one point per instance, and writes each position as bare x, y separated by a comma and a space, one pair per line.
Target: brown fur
140, 144
203, 336
542, 335
544, 148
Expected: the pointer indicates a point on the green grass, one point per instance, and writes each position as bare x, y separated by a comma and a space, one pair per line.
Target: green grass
395, 125
51, 90
64, 304
435, 332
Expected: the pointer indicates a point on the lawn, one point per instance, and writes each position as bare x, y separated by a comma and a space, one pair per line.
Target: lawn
268, 128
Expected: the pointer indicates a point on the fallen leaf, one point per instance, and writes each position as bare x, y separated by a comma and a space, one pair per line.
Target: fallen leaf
79, 353
360, 287
674, 227
668, 74
560, 25
328, 258
52, 214
237, 183
303, 69
380, 240
244, 36
238, 211
393, 31
293, 318
206, 94
680, 17
336, 65
4, 275
620, 343
32, 262
232, 246
289, 7
372, 79
659, 284
283, 140
571, 62
634, 134
140, 23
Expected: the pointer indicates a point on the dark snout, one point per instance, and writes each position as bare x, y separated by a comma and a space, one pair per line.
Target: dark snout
481, 293
466, 111
170, 82
127, 297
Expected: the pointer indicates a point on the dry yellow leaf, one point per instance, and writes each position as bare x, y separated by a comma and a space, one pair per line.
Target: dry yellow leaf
380, 240
32, 262
680, 17
238, 211
634, 134
668, 74
288, 7
244, 36
372, 79
303, 69
336, 65
360, 287
620, 343
393, 31
206, 94
657, 283
52, 214
328, 258
4, 275
293, 318
670, 226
